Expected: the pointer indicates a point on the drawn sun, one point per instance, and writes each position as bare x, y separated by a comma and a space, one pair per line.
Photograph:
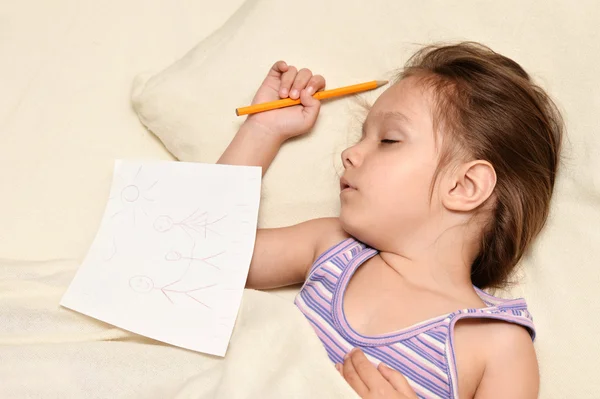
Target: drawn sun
135, 195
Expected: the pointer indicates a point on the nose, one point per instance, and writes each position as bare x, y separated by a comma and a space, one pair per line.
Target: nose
351, 157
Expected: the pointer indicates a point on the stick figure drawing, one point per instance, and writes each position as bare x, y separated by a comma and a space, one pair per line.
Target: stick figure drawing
144, 284
135, 196
174, 256
194, 222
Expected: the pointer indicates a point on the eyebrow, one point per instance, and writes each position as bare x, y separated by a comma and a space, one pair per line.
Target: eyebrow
395, 115
399, 116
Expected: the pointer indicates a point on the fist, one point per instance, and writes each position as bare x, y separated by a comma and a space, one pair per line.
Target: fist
286, 81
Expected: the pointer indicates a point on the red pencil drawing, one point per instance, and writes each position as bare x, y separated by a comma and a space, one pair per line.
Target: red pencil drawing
144, 284
175, 256
194, 222
135, 195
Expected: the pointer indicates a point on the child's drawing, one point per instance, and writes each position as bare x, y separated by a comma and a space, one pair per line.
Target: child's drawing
194, 222
175, 242
144, 284
174, 256
135, 195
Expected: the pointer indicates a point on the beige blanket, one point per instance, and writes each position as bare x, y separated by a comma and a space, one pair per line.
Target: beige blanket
65, 115
50, 352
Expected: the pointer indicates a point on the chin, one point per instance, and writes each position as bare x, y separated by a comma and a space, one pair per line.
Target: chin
362, 227
351, 224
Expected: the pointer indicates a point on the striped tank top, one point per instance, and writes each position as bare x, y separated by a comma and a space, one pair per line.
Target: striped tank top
423, 353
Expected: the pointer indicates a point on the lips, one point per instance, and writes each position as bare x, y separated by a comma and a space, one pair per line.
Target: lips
346, 185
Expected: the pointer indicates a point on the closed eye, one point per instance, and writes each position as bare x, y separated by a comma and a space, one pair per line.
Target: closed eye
386, 141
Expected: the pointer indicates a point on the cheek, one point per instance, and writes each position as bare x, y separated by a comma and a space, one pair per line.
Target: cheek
403, 183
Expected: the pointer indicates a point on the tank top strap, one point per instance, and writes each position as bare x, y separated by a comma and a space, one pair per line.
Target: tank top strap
508, 310
340, 253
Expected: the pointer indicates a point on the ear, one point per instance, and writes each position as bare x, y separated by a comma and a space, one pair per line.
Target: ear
469, 186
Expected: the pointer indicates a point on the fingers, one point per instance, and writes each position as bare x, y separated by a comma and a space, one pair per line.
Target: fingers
397, 380
300, 82
287, 79
365, 369
294, 81
311, 107
278, 68
352, 377
316, 83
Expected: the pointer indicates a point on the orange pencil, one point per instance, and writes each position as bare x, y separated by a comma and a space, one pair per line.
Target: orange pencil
320, 95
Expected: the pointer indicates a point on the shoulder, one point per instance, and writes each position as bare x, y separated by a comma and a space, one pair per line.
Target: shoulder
507, 343
505, 353
511, 357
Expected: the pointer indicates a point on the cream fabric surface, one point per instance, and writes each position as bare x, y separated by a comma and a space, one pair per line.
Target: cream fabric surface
50, 352
190, 107
65, 115
65, 110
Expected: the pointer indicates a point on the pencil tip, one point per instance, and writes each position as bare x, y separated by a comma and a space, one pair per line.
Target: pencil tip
381, 83
236, 112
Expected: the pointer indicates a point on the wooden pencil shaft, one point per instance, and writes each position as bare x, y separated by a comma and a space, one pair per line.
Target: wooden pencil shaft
321, 95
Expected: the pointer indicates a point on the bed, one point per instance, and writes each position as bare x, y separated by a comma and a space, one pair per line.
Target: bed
84, 83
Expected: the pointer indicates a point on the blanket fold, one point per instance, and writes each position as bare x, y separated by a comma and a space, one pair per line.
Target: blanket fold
48, 351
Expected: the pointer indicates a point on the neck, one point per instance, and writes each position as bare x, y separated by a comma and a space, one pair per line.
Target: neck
439, 261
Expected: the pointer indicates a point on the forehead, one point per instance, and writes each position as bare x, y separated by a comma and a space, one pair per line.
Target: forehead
406, 97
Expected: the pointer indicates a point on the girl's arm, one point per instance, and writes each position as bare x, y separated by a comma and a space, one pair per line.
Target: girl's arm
252, 146
282, 256
260, 137
511, 369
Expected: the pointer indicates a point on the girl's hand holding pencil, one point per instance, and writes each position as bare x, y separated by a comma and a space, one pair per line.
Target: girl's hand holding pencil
287, 103
286, 82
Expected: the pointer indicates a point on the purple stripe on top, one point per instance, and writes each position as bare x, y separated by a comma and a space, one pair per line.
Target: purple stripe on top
424, 352
341, 246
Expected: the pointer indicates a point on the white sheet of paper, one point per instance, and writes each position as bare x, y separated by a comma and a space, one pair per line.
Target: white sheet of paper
171, 256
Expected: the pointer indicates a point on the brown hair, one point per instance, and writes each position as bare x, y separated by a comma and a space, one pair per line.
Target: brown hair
494, 112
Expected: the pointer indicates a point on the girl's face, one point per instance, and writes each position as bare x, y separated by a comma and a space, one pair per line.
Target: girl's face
385, 189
